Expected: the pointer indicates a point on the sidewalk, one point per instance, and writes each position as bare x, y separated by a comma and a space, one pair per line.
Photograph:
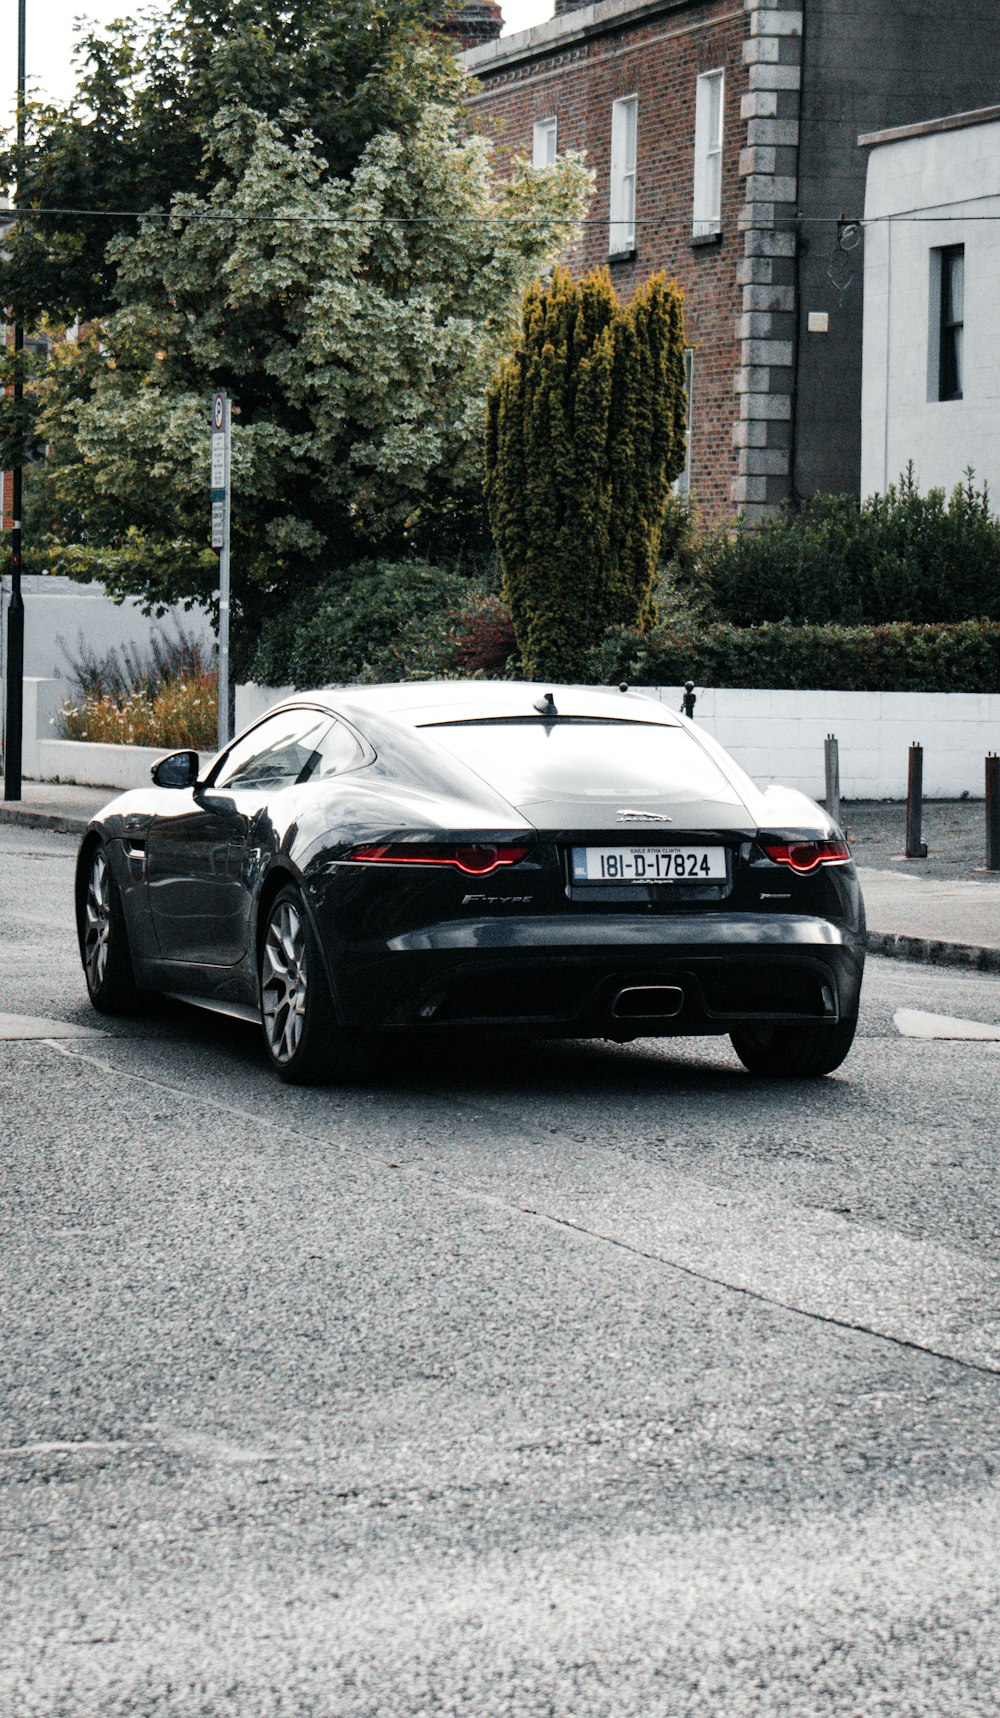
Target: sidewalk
54, 805
946, 924
944, 909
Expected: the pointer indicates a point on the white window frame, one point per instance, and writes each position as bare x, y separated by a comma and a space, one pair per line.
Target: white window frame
624, 142
544, 141
682, 484
709, 126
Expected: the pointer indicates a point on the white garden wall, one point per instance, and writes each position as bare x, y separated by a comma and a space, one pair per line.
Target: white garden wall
58, 609
92, 765
778, 736
43, 700
252, 700
775, 736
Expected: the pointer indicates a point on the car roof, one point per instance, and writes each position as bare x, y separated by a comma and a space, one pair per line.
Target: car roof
422, 703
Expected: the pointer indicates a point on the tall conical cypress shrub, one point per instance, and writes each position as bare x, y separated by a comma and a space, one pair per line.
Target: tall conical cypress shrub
585, 434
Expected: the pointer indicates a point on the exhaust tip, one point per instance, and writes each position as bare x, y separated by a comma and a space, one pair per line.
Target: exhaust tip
648, 1002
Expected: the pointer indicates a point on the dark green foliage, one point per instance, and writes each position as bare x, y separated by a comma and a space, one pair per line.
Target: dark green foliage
140, 128
679, 540
901, 657
899, 594
585, 433
898, 556
383, 621
646, 441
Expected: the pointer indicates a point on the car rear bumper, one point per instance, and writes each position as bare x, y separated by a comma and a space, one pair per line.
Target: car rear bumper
615, 976
730, 930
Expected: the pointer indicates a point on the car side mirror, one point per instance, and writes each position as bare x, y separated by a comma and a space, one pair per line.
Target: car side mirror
180, 769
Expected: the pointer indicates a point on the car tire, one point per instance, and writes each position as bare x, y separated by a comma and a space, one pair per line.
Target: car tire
305, 1043
796, 1051
104, 945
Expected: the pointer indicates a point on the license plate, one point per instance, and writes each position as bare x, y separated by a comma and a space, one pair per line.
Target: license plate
649, 864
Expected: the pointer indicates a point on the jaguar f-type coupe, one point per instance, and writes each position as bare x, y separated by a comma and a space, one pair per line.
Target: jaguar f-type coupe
444, 857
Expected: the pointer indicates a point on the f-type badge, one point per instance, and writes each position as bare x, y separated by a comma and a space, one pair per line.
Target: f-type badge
643, 817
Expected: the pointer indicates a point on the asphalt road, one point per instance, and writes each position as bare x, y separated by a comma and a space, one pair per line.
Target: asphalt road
565, 1380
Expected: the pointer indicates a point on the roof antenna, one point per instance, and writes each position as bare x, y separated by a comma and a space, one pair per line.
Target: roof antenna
546, 705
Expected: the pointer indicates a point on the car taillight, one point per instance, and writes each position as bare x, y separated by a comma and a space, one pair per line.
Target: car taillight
805, 856
473, 860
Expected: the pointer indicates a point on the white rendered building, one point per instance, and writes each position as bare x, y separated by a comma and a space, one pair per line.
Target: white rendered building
931, 350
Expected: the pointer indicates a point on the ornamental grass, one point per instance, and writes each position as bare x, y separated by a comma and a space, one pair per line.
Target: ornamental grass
164, 695
181, 713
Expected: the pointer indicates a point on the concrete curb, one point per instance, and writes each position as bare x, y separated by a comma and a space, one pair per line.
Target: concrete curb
933, 952
58, 822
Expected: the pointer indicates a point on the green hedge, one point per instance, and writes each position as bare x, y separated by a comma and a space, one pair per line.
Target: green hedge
901, 556
378, 620
896, 658
411, 620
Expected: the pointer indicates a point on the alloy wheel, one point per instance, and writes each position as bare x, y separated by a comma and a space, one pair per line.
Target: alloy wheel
284, 982
97, 922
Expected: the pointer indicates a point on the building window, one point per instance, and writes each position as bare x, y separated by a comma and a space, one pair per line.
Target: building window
950, 270
543, 142
621, 234
708, 154
682, 484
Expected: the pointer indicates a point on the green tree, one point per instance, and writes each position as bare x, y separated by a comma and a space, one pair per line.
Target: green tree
585, 434
141, 127
355, 317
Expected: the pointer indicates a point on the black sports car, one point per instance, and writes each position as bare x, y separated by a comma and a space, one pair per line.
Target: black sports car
444, 856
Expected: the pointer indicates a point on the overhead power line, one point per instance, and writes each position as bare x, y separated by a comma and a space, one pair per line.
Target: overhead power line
283, 217
286, 218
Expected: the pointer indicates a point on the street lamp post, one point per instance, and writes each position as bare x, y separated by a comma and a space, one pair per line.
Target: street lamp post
15, 613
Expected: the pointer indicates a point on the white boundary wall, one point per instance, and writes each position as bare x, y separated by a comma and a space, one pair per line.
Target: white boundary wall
57, 609
92, 765
252, 700
775, 736
778, 736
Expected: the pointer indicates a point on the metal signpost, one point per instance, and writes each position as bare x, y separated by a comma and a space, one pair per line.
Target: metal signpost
220, 541
13, 735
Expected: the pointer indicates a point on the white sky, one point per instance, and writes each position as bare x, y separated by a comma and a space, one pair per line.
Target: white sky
49, 39
521, 14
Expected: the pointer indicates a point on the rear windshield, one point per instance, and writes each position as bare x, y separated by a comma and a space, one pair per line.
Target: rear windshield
568, 759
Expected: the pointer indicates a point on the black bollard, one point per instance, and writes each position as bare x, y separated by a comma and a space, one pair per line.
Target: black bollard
993, 812
915, 848
831, 759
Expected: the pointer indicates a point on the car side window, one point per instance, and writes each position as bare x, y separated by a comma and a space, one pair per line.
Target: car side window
336, 752
277, 753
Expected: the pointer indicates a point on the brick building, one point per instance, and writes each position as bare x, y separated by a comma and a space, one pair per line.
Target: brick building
724, 137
